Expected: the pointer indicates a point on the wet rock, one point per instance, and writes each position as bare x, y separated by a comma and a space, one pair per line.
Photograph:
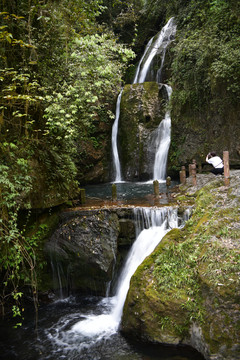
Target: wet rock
84, 246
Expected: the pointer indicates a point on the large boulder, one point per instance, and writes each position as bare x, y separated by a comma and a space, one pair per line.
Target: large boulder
86, 249
187, 291
83, 250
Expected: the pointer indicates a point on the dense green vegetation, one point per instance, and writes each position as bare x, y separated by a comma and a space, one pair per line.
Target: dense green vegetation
61, 67
60, 73
206, 61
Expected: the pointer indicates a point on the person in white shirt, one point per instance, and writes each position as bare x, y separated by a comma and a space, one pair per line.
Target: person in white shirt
216, 162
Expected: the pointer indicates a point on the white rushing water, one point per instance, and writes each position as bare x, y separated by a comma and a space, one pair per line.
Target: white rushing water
157, 44
116, 162
163, 140
135, 80
152, 225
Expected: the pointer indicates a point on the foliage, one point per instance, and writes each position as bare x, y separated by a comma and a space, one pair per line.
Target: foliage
206, 63
59, 74
95, 67
17, 257
122, 16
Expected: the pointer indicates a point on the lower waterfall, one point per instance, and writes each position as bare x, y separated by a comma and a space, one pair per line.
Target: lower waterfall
151, 225
86, 327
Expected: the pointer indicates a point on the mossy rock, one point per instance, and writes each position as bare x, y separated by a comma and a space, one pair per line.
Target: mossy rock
191, 281
142, 109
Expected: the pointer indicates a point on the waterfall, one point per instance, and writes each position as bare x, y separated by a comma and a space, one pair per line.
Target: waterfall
155, 46
163, 140
116, 161
140, 62
151, 225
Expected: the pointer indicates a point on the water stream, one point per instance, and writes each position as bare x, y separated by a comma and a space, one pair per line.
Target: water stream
156, 45
159, 221
116, 162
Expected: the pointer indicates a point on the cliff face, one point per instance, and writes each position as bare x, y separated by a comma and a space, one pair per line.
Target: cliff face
188, 290
193, 137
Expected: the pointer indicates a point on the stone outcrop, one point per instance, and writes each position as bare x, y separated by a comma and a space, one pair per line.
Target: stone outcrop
83, 250
187, 291
142, 109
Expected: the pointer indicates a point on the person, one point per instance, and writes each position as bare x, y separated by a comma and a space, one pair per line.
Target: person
216, 162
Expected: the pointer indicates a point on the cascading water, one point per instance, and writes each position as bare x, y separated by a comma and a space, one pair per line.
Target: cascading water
163, 140
116, 162
155, 46
82, 327
163, 132
151, 225
136, 77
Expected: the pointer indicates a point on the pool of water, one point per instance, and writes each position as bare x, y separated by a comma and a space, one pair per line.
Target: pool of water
55, 339
130, 192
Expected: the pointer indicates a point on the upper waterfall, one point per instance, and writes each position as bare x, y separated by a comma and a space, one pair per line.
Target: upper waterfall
156, 45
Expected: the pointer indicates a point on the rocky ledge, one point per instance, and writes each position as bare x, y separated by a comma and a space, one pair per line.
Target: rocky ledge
188, 291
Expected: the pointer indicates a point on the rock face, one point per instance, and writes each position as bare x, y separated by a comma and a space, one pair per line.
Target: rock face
83, 249
192, 137
188, 290
142, 109
85, 246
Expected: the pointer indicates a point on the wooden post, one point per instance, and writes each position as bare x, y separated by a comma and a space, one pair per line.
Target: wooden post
168, 181
114, 192
194, 174
183, 175
82, 196
226, 168
190, 170
200, 167
156, 187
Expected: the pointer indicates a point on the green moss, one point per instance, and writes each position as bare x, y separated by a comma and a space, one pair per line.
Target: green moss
192, 276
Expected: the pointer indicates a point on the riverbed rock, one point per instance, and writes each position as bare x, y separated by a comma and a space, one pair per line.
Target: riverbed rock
188, 290
83, 250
